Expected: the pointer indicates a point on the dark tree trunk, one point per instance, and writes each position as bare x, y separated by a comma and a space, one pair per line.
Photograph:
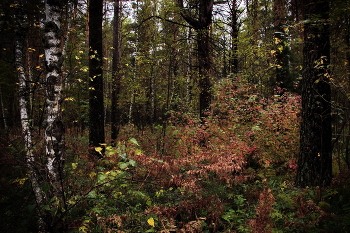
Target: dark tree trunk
201, 25
96, 109
234, 38
283, 78
203, 47
115, 115
315, 159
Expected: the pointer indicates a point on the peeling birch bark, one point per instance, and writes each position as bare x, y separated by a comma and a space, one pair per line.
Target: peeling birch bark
25, 121
54, 132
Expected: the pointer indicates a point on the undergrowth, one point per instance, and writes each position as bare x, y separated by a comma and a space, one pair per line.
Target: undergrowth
232, 172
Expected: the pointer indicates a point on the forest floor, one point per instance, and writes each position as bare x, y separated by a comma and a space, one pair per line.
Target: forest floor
150, 193
232, 172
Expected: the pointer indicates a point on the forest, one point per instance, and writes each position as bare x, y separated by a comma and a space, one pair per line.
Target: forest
175, 116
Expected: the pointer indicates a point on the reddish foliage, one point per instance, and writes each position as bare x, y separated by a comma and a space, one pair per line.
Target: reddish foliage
262, 222
184, 151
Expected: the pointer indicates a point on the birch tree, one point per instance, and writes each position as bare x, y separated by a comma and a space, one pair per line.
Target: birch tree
23, 107
54, 132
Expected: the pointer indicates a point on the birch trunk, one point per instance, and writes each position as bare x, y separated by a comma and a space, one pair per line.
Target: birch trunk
25, 121
54, 132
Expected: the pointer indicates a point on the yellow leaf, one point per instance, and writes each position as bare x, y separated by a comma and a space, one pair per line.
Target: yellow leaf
150, 221
74, 165
138, 152
92, 174
98, 149
20, 181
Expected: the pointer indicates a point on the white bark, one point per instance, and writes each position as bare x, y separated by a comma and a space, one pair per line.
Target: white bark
25, 121
54, 129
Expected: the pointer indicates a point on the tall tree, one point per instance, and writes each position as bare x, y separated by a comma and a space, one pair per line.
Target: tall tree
115, 115
54, 132
199, 15
315, 158
283, 78
96, 110
234, 36
24, 115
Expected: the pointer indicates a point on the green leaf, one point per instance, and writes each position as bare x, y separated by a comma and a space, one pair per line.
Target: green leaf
111, 151
123, 156
133, 140
46, 207
175, 132
132, 163
149, 202
92, 194
151, 230
101, 177
123, 165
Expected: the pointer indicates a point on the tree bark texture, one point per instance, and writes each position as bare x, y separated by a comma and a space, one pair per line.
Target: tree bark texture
204, 63
96, 107
23, 92
54, 132
315, 158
